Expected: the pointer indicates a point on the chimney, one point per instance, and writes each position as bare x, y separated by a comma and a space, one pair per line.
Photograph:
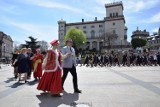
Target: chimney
82, 20
95, 19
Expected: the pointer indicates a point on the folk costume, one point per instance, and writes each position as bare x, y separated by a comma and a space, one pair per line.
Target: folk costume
51, 79
37, 65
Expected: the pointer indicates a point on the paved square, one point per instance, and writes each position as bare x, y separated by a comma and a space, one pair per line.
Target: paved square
101, 87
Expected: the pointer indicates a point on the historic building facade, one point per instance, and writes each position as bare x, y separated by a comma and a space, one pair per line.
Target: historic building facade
6, 46
154, 41
110, 32
43, 45
140, 34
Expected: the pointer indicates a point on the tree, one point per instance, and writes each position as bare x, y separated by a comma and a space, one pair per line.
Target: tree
31, 44
108, 37
77, 36
138, 42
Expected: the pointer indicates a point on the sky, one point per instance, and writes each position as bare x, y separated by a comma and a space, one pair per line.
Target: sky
38, 18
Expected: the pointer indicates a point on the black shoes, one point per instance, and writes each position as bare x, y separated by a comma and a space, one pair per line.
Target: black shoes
56, 95
77, 91
26, 81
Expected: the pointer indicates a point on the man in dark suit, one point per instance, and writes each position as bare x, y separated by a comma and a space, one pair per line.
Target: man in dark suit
69, 64
30, 55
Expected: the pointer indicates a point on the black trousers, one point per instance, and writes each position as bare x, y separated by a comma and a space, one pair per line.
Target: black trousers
74, 75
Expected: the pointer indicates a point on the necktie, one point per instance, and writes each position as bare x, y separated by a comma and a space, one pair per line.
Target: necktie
70, 49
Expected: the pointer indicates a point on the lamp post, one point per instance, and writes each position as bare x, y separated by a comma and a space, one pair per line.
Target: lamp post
121, 44
102, 44
109, 44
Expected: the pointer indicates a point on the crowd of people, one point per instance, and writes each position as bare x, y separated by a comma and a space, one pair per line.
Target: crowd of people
120, 59
54, 63
24, 61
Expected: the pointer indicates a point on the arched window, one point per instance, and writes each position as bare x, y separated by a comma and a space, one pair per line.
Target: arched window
110, 14
114, 31
116, 14
113, 14
100, 33
92, 34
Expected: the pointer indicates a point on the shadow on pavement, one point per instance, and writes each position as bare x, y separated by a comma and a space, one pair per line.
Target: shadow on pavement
48, 101
33, 82
9, 80
15, 85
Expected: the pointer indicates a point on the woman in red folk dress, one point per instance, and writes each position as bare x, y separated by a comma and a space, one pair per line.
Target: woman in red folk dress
37, 64
51, 79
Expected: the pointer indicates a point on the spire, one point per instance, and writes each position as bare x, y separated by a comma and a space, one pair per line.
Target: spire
137, 28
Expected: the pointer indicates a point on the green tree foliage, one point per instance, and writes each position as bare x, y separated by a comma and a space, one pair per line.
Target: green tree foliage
138, 42
31, 44
77, 36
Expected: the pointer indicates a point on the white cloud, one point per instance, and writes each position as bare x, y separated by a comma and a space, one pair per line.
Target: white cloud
138, 5
155, 29
41, 32
8, 8
52, 4
103, 2
100, 10
154, 19
133, 5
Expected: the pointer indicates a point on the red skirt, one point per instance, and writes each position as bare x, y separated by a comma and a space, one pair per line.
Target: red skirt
51, 82
38, 72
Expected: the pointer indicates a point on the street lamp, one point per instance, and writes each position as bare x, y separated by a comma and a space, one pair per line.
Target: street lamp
102, 43
109, 45
121, 43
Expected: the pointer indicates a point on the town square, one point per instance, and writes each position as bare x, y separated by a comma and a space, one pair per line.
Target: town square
80, 53
102, 87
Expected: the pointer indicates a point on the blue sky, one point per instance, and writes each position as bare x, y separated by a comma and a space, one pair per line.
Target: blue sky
38, 18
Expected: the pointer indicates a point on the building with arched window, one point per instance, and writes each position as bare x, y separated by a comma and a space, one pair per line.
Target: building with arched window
110, 32
153, 41
6, 46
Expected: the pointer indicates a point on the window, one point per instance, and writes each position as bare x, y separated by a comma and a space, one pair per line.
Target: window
100, 33
110, 14
114, 31
116, 14
100, 26
84, 27
84, 32
114, 23
92, 34
113, 14
92, 26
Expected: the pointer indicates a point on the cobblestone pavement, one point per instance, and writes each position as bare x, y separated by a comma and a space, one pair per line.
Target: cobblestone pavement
101, 87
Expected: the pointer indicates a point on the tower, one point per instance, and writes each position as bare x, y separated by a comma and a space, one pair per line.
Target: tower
115, 23
61, 32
